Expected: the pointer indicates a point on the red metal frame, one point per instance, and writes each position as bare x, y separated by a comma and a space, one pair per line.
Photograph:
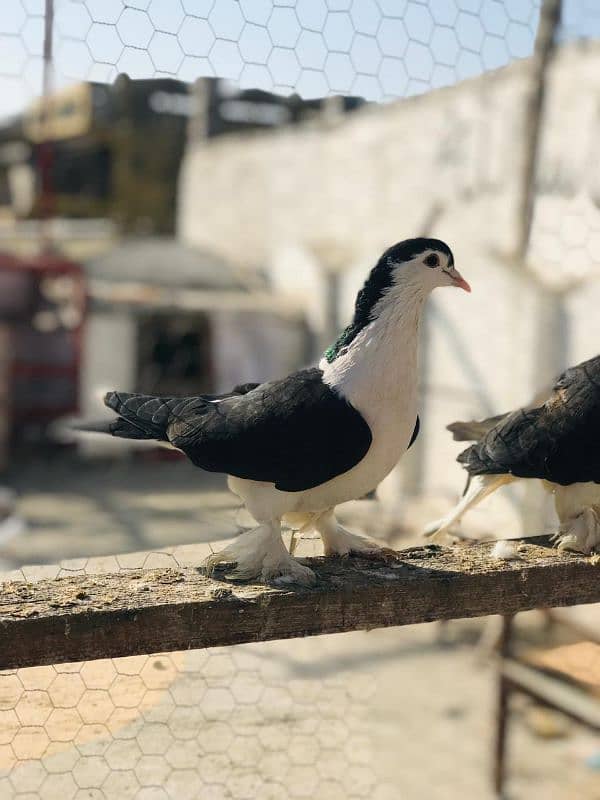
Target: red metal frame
37, 268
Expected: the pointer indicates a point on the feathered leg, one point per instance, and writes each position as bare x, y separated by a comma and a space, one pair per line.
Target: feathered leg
337, 541
480, 486
261, 554
581, 533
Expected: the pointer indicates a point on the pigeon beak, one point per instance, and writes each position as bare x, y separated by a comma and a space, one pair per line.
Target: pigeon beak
458, 280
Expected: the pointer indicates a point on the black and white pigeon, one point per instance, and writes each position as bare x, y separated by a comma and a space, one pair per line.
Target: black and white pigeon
295, 448
555, 440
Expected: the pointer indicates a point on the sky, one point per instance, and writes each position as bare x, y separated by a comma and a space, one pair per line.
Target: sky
378, 49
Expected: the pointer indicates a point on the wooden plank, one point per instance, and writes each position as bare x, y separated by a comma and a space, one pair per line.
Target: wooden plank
147, 611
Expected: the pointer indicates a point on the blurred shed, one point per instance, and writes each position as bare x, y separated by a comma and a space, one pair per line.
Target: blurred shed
164, 261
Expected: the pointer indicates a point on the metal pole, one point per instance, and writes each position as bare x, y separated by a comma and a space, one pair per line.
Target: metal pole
502, 709
550, 16
48, 31
550, 362
45, 153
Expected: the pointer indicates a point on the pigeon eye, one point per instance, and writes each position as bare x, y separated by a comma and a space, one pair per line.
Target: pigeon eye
432, 260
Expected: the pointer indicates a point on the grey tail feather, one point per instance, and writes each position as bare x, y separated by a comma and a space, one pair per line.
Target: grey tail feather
474, 430
113, 427
92, 426
149, 415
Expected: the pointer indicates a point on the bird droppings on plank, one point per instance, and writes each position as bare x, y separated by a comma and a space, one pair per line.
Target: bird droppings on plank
506, 550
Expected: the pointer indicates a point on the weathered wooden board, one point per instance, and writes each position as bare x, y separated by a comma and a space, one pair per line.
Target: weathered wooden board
145, 611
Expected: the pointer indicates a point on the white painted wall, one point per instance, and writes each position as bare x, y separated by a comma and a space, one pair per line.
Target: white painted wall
255, 347
108, 361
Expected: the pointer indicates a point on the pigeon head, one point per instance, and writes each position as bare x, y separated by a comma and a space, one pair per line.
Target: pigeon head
411, 268
426, 261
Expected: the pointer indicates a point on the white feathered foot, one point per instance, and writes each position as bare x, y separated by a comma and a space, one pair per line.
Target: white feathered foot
260, 554
581, 533
337, 541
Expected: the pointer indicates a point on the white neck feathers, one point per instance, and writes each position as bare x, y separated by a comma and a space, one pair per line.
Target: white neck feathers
381, 361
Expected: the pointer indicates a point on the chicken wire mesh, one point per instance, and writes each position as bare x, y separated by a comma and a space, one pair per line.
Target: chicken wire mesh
229, 722
378, 50
233, 723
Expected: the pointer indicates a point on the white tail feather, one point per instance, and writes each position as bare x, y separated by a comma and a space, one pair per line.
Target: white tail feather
481, 486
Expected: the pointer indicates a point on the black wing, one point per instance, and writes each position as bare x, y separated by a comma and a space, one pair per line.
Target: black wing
143, 416
296, 433
558, 441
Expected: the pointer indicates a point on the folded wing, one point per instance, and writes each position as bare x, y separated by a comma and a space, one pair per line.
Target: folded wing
296, 433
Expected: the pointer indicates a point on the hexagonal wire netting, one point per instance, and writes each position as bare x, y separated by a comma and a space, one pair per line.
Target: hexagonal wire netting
374, 49
236, 722
249, 721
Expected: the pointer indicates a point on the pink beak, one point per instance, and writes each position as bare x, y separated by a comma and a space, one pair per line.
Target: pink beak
459, 281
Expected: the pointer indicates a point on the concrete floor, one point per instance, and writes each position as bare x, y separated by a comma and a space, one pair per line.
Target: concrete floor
74, 509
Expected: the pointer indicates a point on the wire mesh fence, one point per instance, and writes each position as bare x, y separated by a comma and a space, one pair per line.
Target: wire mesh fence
233, 722
378, 50
271, 721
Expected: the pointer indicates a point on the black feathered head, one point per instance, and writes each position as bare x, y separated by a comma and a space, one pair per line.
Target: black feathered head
427, 260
